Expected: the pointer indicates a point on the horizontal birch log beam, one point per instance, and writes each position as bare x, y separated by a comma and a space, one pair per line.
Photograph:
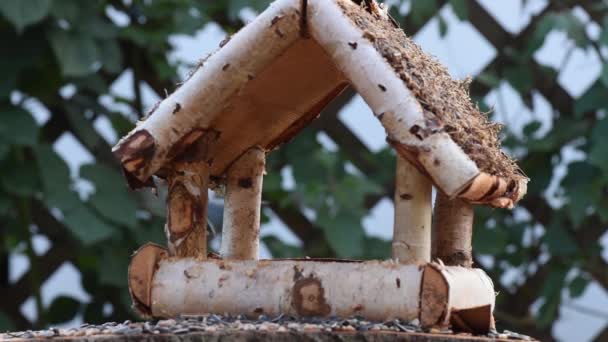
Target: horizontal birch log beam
377, 290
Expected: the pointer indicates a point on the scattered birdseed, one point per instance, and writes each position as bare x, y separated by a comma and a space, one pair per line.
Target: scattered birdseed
196, 324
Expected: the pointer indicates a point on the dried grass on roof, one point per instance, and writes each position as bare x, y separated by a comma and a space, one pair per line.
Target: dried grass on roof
447, 99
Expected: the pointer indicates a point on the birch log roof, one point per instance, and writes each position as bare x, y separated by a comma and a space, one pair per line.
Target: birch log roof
275, 76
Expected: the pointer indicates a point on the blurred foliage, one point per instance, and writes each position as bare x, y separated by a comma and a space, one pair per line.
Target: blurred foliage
63, 55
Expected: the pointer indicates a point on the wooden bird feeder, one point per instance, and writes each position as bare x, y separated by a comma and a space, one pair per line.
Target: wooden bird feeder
255, 93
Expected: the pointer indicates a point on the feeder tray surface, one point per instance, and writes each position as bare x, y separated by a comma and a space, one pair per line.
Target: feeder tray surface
236, 329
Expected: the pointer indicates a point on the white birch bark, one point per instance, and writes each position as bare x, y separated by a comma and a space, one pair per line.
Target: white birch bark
193, 105
413, 213
242, 203
375, 290
395, 106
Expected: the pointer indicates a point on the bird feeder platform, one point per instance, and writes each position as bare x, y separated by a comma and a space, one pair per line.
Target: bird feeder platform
261, 88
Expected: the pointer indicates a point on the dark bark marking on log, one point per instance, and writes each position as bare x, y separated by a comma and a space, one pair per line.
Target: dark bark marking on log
353, 45
184, 143
250, 77
135, 184
358, 307
187, 275
308, 298
491, 190
225, 41
457, 258
152, 110
136, 151
381, 116
226, 66
411, 154
177, 108
304, 19
406, 197
258, 311
382, 87
416, 131
297, 274
275, 20
436, 162
245, 183
398, 281
279, 32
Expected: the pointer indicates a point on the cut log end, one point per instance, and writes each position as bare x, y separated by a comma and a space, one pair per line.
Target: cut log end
141, 272
135, 151
495, 191
433, 298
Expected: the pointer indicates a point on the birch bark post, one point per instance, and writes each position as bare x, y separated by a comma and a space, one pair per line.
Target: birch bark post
241, 226
413, 212
453, 231
186, 226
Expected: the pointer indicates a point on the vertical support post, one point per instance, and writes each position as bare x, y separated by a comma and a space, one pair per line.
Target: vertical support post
186, 226
453, 231
241, 227
413, 212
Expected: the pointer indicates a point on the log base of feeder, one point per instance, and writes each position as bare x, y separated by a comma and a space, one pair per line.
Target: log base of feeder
437, 295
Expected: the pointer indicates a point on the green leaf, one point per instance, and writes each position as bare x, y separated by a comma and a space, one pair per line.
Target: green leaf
552, 294
604, 35
577, 286
376, 249
93, 313
111, 198
421, 11
113, 270
18, 127
489, 241
6, 323
583, 186
110, 55
76, 52
595, 98
531, 128
21, 178
24, 13
559, 242
87, 227
598, 153
344, 233
63, 309
443, 26
279, 249
54, 171
69, 10
520, 77
460, 9
604, 75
